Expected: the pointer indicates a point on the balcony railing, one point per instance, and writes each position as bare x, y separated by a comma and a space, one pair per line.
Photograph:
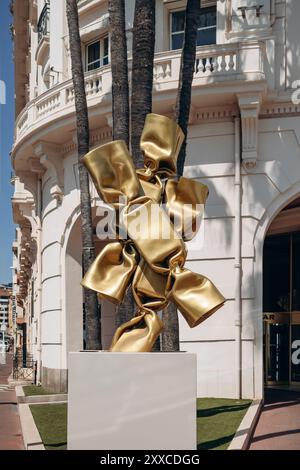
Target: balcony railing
43, 26
60, 99
217, 64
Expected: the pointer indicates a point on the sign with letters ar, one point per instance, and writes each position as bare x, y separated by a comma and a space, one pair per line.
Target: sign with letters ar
276, 317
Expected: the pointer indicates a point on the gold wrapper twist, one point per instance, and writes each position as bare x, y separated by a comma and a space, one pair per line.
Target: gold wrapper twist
154, 256
149, 288
117, 261
185, 200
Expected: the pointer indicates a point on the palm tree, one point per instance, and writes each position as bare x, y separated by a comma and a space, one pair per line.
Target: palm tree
187, 68
119, 70
143, 47
120, 109
142, 72
92, 316
142, 83
170, 335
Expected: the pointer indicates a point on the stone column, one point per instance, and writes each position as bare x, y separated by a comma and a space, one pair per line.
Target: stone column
54, 373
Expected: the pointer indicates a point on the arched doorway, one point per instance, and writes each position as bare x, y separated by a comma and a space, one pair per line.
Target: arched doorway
281, 297
74, 308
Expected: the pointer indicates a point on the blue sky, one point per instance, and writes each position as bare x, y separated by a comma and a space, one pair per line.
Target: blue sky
6, 140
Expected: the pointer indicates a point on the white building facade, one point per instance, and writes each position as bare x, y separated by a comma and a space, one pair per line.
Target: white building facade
244, 143
5, 295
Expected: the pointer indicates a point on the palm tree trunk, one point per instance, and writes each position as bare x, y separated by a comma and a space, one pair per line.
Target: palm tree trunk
142, 72
170, 335
120, 110
187, 68
92, 315
143, 47
142, 82
119, 70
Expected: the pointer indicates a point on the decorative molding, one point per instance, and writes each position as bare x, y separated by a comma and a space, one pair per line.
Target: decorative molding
57, 193
270, 110
25, 186
249, 108
27, 254
56, 170
226, 113
101, 136
69, 147
97, 137
215, 113
23, 203
50, 159
36, 167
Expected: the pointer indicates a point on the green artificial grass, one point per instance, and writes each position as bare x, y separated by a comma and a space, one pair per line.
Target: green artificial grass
30, 390
51, 421
218, 420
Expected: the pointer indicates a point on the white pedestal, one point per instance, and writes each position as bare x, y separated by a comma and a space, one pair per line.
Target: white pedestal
129, 401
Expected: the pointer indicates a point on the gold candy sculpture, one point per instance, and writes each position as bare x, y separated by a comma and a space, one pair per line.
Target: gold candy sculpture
153, 263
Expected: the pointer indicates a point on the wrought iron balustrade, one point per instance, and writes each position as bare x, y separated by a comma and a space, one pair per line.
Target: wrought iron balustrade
24, 367
43, 26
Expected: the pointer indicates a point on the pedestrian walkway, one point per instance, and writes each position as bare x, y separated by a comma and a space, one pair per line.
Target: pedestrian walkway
278, 427
10, 427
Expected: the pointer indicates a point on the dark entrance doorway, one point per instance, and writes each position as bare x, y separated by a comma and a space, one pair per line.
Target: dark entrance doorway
277, 343
281, 303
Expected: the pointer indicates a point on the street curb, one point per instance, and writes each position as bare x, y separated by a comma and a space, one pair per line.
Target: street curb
35, 399
19, 393
49, 403
31, 436
245, 430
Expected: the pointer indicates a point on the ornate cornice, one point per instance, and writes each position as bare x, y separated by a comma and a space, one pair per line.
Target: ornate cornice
101, 136
214, 113
271, 110
97, 137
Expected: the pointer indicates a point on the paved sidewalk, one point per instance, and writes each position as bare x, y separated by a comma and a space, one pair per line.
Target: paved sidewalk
10, 427
278, 427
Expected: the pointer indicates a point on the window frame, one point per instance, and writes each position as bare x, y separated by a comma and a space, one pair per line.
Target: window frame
102, 57
182, 32
178, 10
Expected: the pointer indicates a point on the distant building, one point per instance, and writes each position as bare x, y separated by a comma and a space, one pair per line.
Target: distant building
244, 143
20, 310
6, 307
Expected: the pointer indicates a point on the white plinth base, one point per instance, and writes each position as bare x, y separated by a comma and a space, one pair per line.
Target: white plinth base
129, 401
